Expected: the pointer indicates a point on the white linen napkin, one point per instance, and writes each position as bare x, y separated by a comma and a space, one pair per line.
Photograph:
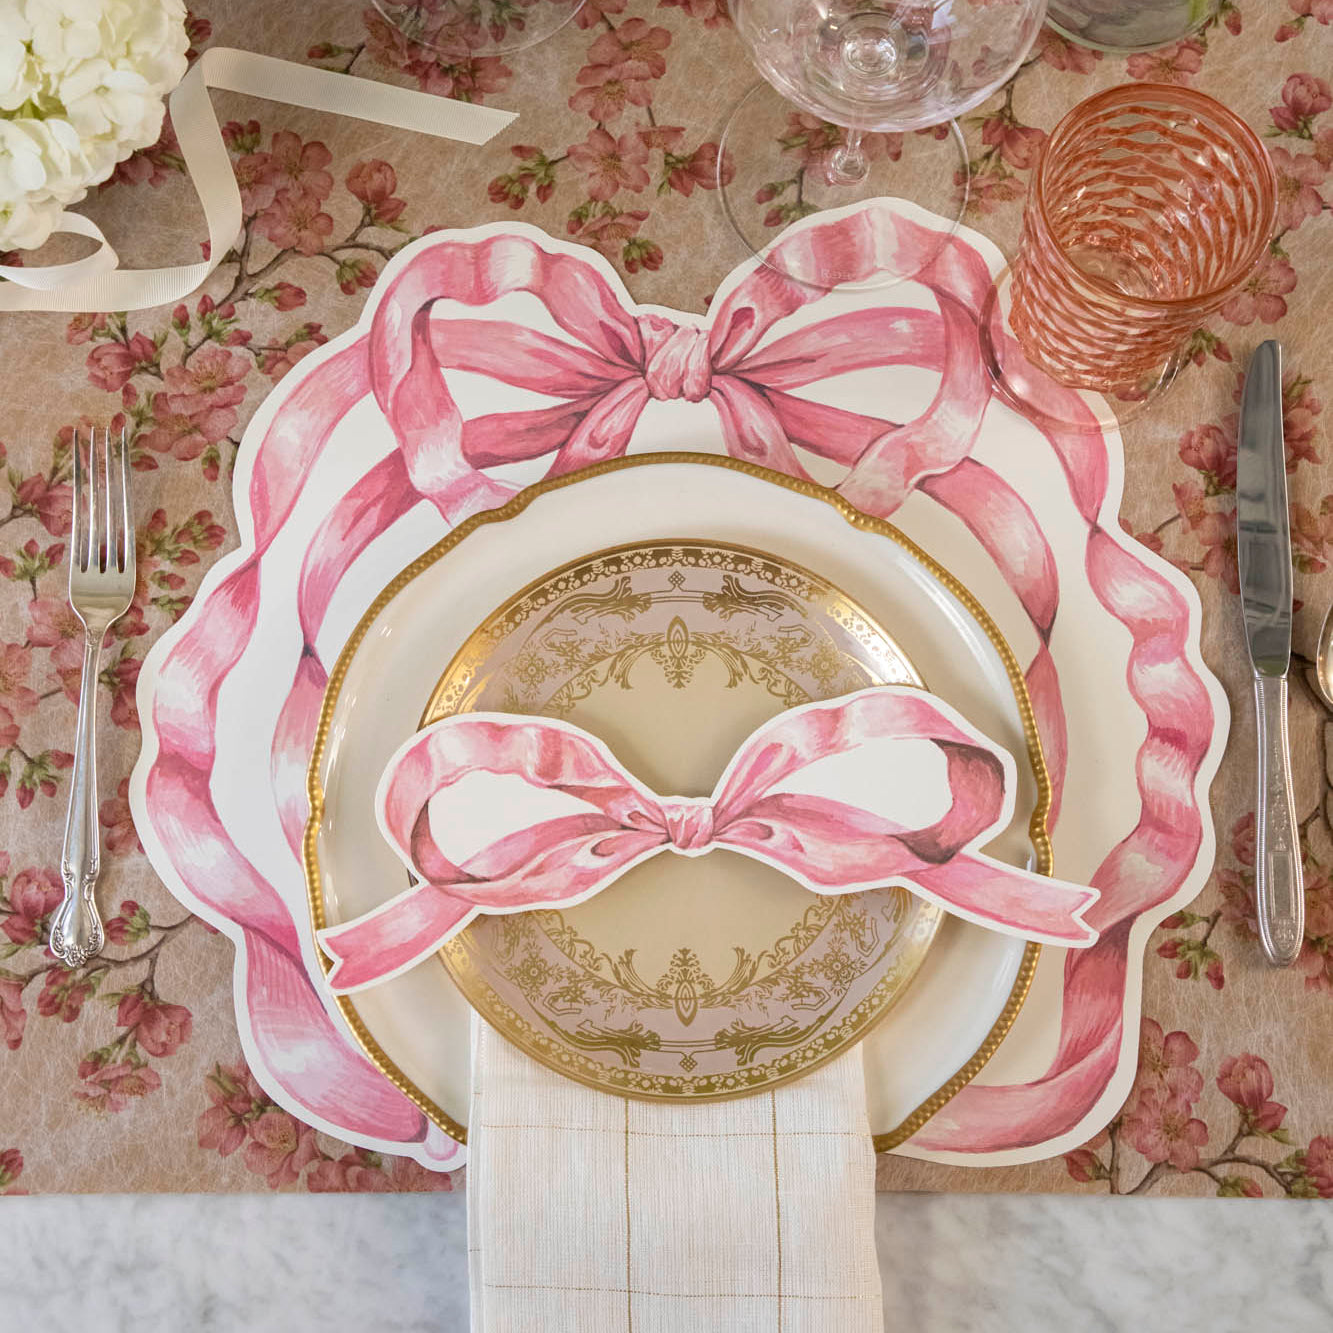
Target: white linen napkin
593, 1212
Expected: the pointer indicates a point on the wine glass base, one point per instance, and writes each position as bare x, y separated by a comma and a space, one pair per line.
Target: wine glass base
459, 29
1034, 394
781, 159
1129, 29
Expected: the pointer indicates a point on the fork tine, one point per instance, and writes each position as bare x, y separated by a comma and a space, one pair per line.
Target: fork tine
93, 490
113, 511
92, 557
106, 546
126, 513
78, 539
90, 495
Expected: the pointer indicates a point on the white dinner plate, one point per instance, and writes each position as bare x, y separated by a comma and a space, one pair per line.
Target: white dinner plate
948, 1021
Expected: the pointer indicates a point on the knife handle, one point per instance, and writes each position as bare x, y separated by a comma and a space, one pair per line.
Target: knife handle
1278, 880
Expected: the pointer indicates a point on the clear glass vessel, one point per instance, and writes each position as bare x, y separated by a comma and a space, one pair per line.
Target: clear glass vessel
859, 77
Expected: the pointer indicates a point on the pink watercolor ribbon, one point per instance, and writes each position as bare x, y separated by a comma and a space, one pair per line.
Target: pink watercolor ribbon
831, 841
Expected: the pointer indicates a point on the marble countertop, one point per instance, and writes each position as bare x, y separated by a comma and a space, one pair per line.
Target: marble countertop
951, 1263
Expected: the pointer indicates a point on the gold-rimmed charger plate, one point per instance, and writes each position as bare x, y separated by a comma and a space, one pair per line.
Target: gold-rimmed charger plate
687, 979
973, 983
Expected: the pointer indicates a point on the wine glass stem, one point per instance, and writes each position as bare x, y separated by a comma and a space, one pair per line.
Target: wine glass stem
847, 163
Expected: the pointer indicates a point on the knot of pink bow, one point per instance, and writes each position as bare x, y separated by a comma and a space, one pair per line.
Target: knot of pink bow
678, 362
818, 793
689, 825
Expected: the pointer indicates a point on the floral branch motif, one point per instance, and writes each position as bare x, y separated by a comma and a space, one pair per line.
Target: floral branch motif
622, 156
1305, 97
1205, 514
148, 1027
1177, 63
1158, 1124
284, 1151
1180, 61
181, 386
626, 152
809, 142
1191, 954
438, 45
1304, 10
1008, 146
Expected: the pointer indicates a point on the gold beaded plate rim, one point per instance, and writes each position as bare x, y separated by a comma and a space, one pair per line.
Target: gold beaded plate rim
1038, 832
854, 1025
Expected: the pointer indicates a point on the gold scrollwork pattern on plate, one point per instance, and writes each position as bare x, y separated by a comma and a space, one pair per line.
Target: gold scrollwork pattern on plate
642, 628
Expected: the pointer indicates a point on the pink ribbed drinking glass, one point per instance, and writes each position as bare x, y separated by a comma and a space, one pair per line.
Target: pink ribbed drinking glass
1150, 206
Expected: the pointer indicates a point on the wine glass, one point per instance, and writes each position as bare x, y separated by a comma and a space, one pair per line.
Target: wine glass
858, 78
458, 29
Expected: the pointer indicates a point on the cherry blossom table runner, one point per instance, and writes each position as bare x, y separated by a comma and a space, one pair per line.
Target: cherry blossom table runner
129, 1075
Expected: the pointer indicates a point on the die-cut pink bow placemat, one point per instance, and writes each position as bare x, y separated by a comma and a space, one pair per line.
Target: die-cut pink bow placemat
128, 1075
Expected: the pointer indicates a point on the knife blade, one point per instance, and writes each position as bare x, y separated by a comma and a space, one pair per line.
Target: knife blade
1263, 537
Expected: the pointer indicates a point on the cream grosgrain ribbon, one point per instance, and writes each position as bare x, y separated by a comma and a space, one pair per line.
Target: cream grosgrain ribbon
549, 815
96, 283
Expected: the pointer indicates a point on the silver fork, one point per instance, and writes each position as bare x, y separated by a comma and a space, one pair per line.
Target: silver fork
101, 587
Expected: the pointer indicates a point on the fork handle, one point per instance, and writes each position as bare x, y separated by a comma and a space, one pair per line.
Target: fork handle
76, 930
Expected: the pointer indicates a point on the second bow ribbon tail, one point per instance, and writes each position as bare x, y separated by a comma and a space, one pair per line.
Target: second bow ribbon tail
497, 813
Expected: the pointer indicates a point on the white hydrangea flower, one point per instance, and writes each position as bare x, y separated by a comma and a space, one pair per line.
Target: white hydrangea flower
20, 74
70, 161
102, 100
64, 31
147, 32
23, 169
81, 87
26, 224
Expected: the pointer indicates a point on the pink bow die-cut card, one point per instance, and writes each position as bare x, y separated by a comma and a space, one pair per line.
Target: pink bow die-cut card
884, 786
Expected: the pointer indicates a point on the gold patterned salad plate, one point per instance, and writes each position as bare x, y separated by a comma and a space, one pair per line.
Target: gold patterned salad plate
696, 979
670, 603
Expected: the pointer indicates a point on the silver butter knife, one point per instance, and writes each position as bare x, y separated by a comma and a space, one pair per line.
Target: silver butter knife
1264, 552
